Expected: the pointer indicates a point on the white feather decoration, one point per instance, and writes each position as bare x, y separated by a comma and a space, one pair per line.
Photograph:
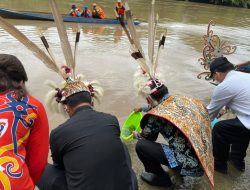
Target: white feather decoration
98, 90
50, 100
140, 82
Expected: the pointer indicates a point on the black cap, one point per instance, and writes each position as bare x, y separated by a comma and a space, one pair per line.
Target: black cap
220, 64
159, 93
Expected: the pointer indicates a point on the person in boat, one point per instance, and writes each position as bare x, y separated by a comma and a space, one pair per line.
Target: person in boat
75, 12
120, 9
86, 150
231, 136
86, 12
97, 12
184, 123
23, 124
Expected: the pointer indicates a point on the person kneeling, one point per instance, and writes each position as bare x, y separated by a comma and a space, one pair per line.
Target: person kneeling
184, 124
86, 150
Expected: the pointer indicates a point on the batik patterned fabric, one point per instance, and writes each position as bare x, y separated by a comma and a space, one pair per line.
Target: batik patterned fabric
190, 116
17, 119
177, 149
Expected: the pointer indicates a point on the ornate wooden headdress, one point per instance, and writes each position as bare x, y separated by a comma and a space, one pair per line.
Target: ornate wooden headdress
213, 48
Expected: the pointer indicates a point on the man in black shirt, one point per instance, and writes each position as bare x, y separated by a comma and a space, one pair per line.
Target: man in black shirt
87, 150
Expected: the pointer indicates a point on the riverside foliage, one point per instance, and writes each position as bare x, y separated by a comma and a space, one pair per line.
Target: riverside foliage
237, 3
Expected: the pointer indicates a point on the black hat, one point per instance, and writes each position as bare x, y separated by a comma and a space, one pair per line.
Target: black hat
220, 64
160, 93
158, 89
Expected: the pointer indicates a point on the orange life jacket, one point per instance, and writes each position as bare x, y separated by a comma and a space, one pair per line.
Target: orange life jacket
120, 9
98, 13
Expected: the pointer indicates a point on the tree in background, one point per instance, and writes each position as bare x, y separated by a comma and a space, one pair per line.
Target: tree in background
237, 3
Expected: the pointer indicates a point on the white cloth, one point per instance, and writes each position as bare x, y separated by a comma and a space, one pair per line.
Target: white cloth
233, 92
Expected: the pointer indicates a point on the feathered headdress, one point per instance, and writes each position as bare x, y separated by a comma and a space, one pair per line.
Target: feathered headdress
146, 81
148, 84
213, 48
72, 83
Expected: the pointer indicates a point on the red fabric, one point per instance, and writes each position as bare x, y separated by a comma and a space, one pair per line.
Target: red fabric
24, 142
120, 8
87, 13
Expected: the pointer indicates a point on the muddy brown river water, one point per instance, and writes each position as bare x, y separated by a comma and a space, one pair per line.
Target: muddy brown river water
103, 54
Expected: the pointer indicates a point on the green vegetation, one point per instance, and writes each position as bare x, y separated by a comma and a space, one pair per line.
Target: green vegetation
237, 3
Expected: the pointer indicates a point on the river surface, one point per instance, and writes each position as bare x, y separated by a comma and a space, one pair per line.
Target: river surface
103, 55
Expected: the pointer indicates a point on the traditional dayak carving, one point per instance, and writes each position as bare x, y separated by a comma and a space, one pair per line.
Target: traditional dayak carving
213, 48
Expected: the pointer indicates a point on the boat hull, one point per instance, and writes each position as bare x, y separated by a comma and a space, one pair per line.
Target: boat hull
48, 17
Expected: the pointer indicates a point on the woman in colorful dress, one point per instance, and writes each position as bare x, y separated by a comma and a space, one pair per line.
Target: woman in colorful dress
24, 130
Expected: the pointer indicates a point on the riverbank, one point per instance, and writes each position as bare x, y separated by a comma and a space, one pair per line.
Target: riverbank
234, 180
234, 3
104, 55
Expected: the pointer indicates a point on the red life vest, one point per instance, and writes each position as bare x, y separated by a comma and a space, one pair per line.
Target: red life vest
75, 12
72, 12
120, 9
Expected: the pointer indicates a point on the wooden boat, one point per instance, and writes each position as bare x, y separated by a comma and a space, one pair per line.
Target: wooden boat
6, 13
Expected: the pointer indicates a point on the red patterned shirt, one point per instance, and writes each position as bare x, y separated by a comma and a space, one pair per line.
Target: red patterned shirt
24, 134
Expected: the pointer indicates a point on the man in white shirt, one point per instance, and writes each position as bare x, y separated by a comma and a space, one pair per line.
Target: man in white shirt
233, 92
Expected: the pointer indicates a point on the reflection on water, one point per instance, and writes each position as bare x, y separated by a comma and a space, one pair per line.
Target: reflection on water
103, 54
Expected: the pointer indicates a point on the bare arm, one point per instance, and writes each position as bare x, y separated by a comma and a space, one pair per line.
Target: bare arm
242, 64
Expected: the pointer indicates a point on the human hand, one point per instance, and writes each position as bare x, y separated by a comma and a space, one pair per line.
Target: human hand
137, 110
136, 134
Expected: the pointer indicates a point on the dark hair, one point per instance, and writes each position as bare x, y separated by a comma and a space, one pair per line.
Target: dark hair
221, 64
160, 93
5, 83
12, 73
78, 98
13, 67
